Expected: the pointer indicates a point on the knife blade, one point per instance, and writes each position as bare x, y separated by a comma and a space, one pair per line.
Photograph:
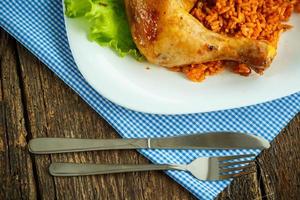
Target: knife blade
215, 140
218, 140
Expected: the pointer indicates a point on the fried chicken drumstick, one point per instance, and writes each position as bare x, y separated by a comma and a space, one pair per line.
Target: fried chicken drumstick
168, 35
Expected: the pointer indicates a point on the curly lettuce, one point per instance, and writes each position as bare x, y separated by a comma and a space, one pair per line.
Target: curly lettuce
108, 24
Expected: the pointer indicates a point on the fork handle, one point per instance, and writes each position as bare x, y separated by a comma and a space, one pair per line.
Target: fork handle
74, 169
63, 145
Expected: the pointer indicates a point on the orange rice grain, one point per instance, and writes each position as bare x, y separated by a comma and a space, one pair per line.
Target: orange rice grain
255, 19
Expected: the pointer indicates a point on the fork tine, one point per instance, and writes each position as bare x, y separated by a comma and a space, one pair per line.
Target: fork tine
222, 170
236, 163
228, 176
227, 158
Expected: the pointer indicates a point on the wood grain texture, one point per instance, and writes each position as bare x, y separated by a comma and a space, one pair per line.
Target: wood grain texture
16, 172
35, 103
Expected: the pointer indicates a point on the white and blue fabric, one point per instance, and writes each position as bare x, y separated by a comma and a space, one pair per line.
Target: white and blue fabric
39, 26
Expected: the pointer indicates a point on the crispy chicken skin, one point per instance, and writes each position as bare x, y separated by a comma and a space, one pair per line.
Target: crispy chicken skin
168, 35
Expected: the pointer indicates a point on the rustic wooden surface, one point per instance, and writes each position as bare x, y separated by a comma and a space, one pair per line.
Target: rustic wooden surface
35, 103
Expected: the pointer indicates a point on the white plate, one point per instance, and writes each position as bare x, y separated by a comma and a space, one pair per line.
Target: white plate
130, 84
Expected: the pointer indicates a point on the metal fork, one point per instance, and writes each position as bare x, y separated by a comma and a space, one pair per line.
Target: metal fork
204, 168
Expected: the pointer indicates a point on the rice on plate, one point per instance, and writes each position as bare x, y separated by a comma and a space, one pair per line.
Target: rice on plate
255, 19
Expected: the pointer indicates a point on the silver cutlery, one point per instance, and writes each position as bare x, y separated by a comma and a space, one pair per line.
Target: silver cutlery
211, 168
216, 140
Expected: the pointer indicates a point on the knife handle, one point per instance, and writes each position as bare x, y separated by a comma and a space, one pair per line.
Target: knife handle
64, 145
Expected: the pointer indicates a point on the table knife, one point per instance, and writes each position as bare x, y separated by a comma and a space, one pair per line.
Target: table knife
216, 140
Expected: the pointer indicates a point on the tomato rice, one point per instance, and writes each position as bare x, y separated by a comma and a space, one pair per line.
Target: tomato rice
256, 19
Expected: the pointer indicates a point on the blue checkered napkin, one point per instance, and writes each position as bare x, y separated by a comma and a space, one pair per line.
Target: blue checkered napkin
39, 26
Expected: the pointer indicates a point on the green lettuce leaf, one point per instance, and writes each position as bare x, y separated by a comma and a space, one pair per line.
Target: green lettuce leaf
108, 24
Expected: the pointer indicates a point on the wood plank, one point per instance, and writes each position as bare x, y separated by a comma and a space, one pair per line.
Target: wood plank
280, 165
4, 157
54, 110
16, 172
37, 119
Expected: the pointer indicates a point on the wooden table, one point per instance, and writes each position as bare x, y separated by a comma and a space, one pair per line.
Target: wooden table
35, 103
